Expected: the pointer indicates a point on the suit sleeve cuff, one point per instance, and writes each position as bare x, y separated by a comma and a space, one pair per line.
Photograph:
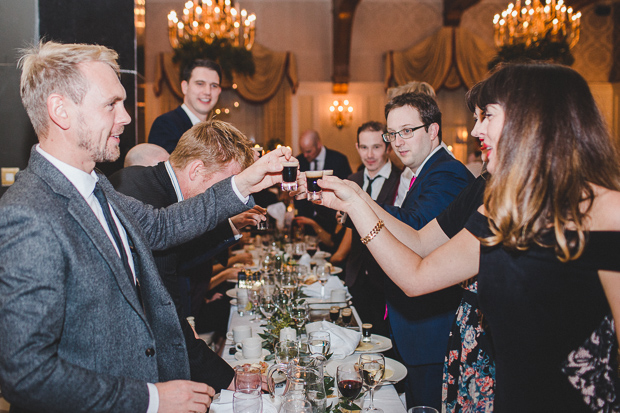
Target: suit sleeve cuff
153, 398
242, 198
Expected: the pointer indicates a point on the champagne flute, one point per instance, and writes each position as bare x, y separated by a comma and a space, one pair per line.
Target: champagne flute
373, 369
319, 342
349, 381
254, 297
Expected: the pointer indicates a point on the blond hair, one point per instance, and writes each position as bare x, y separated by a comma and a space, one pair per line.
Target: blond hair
215, 143
554, 145
411, 87
52, 67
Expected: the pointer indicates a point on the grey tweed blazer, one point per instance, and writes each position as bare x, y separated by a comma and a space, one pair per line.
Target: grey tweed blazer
73, 335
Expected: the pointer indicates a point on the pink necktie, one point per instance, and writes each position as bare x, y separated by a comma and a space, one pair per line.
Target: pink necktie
411, 183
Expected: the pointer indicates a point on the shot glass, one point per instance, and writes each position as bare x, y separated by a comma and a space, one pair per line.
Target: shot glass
289, 176
315, 192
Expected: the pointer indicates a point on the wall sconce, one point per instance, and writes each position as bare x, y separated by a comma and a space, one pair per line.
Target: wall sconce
461, 134
342, 113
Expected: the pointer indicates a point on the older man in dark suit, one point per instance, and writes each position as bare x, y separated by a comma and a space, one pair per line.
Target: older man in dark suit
200, 83
85, 321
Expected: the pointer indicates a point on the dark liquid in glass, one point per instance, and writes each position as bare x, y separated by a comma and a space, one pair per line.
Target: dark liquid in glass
347, 318
333, 315
350, 389
289, 173
311, 251
296, 257
313, 186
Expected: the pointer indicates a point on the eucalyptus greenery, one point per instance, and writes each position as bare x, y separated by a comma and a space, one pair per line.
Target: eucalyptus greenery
230, 57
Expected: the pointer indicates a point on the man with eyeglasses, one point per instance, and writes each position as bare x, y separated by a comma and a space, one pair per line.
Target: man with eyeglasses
200, 83
421, 326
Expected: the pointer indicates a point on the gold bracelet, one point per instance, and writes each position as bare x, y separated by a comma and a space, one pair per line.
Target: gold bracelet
373, 233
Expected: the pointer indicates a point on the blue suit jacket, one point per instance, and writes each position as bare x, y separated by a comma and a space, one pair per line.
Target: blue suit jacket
421, 325
74, 335
168, 128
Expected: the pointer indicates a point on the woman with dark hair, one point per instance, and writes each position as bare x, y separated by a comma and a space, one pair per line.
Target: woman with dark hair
543, 244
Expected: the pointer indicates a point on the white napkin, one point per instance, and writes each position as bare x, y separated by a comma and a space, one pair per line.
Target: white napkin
304, 260
344, 341
223, 404
314, 290
278, 212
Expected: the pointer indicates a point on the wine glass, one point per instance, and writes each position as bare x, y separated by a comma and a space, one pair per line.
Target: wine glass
247, 401
349, 381
319, 342
267, 306
254, 296
322, 273
299, 313
286, 351
299, 249
373, 369
311, 245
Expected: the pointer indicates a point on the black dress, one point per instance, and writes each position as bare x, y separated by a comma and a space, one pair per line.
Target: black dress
555, 347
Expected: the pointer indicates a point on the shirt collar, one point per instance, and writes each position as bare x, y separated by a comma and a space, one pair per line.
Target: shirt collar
174, 180
321, 156
384, 172
193, 118
82, 181
417, 172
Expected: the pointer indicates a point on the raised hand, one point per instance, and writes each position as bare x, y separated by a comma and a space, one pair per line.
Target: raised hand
338, 194
265, 172
250, 217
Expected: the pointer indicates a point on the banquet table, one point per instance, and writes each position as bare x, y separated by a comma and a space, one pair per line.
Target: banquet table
385, 397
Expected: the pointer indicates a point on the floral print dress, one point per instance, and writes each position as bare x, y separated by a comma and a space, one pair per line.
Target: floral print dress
469, 368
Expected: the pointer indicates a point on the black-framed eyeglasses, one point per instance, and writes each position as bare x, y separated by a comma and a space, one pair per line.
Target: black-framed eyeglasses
404, 133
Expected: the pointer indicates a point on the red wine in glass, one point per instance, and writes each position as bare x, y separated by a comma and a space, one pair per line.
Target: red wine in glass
350, 389
296, 257
311, 251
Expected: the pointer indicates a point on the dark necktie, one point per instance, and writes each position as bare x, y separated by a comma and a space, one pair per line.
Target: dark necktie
105, 206
314, 164
369, 187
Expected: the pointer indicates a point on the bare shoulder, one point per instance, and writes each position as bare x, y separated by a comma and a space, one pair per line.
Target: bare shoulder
605, 213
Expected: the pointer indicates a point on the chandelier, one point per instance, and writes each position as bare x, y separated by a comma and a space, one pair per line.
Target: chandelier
533, 22
209, 20
341, 113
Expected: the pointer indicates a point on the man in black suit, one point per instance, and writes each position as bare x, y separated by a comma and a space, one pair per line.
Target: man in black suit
316, 157
206, 154
200, 83
380, 179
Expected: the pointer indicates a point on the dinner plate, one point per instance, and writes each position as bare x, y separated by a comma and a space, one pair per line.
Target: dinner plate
232, 293
322, 255
377, 344
394, 371
336, 270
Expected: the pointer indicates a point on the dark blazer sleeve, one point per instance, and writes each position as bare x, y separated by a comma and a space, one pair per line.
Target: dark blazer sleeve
338, 162
168, 128
432, 195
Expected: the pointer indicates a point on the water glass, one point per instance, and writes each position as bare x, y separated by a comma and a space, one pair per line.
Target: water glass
286, 351
319, 342
247, 402
300, 313
296, 406
422, 409
373, 369
247, 378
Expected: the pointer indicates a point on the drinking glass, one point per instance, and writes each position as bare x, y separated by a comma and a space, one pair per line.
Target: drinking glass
319, 342
373, 369
299, 249
299, 313
347, 315
311, 245
422, 409
334, 313
322, 273
286, 351
254, 297
247, 402
349, 380
296, 406
267, 306
289, 176
315, 192
247, 378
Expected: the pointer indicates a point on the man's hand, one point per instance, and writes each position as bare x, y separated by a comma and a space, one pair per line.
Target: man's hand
265, 172
241, 258
184, 396
250, 217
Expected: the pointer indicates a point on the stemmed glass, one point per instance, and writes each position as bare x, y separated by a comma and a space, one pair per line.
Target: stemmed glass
349, 381
247, 401
296, 406
311, 245
373, 369
299, 313
267, 306
299, 249
322, 273
254, 297
319, 342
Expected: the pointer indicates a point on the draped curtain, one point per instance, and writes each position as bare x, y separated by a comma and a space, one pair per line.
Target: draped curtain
450, 58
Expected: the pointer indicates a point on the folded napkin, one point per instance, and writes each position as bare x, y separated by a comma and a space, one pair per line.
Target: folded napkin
314, 290
344, 341
304, 260
278, 212
223, 404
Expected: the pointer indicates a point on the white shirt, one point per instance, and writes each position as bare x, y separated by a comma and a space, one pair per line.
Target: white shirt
320, 160
193, 118
85, 184
377, 184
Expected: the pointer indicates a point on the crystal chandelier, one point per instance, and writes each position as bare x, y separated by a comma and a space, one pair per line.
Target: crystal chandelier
210, 20
535, 21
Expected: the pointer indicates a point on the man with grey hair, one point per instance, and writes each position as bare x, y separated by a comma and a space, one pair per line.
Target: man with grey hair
85, 321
